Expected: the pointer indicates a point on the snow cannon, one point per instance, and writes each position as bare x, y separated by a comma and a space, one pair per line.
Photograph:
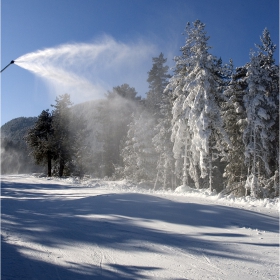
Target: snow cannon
12, 62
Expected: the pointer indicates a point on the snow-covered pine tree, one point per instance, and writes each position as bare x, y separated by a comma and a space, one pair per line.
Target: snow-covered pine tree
234, 116
128, 153
163, 144
267, 49
180, 135
261, 103
139, 155
146, 154
199, 103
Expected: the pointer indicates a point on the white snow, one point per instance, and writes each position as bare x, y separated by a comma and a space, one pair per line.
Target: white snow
97, 229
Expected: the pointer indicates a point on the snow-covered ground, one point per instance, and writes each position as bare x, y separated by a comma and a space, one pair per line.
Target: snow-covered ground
96, 229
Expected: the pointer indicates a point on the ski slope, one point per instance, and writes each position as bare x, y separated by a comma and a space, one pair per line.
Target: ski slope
96, 229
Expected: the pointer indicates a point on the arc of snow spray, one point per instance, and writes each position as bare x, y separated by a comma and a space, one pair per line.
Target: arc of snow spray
12, 62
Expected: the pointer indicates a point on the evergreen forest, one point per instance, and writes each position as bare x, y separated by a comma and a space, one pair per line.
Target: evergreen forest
202, 124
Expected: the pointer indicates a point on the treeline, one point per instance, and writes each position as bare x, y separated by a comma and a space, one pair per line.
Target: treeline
209, 125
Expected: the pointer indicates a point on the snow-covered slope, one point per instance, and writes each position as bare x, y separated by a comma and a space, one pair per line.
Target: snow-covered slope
94, 229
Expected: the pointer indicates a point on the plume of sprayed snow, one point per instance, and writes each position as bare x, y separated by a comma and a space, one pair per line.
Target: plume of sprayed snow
87, 70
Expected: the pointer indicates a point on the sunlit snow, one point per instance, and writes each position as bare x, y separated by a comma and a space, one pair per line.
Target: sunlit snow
96, 229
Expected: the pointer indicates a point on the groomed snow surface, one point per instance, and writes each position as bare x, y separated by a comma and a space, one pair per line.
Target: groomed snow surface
96, 229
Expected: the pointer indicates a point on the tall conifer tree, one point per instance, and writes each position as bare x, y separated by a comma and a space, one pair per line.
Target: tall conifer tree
198, 84
261, 111
40, 139
234, 116
157, 79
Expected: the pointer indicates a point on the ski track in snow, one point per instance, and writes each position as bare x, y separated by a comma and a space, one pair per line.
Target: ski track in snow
96, 229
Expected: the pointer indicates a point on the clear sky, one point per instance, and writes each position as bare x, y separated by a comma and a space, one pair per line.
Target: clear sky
151, 26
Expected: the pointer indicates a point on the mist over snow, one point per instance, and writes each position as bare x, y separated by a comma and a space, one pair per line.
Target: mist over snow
88, 70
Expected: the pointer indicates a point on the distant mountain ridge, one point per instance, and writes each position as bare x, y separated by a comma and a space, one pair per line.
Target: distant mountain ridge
17, 128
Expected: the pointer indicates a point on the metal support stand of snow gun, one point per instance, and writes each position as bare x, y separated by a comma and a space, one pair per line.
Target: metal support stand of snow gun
7, 65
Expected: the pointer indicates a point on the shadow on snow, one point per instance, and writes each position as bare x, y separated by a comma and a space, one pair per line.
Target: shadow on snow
116, 221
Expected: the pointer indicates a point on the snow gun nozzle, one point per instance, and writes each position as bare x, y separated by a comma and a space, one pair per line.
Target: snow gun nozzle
12, 62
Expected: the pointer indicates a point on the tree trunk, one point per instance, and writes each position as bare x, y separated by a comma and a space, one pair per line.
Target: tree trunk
254, 185
49, 165
165, 178
210, 169
61, 167
185, 174
155, 184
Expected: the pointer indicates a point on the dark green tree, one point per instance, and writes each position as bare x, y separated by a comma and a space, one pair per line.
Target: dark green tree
234, 116
124, 91
64, 147
40, 139
158, 79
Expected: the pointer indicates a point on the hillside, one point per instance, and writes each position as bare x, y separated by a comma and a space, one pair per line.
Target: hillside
17, 128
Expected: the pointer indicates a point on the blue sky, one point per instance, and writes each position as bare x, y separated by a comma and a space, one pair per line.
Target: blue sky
151, 26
